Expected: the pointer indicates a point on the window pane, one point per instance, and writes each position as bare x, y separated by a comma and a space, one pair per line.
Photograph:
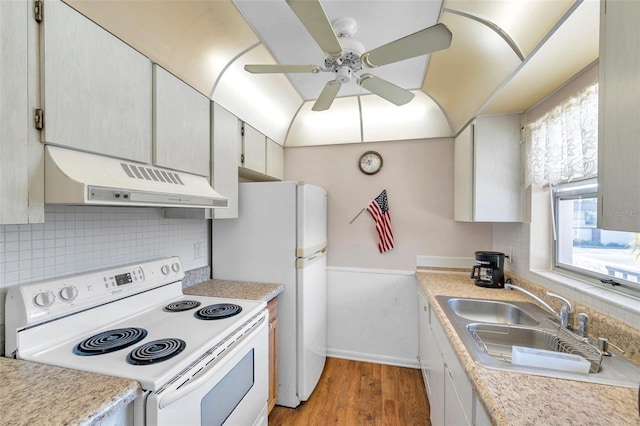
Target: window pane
582, 245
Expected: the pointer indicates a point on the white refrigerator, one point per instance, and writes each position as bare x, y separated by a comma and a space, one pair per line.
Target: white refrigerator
281, 237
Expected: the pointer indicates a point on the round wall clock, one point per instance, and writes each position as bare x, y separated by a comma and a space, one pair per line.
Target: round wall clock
370, 162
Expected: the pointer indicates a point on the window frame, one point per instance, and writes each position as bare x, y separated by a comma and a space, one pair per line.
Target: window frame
586, 188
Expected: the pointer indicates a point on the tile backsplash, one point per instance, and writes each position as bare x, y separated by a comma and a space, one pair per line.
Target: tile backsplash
77, 239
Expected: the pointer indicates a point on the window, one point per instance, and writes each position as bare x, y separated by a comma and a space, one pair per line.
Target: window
562, 154
581, 247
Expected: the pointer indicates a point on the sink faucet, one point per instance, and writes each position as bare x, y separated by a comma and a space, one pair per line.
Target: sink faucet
564, 317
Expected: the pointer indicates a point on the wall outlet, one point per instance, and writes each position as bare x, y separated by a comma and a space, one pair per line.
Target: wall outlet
510, 255
197, 250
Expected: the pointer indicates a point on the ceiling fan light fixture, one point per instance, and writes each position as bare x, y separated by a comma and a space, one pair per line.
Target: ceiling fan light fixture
343, 74
345, 27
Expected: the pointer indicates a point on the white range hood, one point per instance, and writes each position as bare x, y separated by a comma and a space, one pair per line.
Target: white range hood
79, 178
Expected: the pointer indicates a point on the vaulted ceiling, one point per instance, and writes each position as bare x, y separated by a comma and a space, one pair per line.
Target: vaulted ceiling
506, 55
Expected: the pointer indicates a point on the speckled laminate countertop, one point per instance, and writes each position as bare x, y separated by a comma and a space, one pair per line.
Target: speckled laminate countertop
37, 394
521, 399
235, 289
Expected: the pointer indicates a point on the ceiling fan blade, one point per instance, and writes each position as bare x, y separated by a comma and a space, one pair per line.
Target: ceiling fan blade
425, 41
267, 69
386, 90
313, 17
327, 96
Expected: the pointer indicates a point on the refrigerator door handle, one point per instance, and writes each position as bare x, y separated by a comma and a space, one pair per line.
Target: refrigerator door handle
308, 251
301, 262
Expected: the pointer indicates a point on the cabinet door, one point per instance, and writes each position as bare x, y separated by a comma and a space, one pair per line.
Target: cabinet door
437, 379
181, 120
454, 412
275, 160
225, 150
96, 90
423, 338
15, 119
273, 352
487, 165
463, 175
254, 150
619, 91
497, 184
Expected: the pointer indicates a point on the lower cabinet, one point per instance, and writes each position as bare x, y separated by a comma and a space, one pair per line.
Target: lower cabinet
452, 400
272, 306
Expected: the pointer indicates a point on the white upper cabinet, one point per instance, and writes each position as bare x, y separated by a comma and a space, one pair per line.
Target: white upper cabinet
487, 165
225, 150
181, 120
96, 90
254, 150
275, 160
261, 158
463, 175
21, 153
619, 127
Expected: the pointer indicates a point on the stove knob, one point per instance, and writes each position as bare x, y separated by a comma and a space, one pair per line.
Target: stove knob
176, 267
44, 299
165, 269
68, 293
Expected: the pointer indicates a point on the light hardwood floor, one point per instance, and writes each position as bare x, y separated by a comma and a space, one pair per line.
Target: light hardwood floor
360, 393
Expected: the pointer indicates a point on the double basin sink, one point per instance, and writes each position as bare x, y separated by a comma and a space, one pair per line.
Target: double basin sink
490, 329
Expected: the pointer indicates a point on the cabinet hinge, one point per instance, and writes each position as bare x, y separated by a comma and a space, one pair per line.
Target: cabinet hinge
242, 130
38, 119
38, 10
241, 158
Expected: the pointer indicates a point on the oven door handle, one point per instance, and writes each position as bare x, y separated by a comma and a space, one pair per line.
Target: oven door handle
193, 384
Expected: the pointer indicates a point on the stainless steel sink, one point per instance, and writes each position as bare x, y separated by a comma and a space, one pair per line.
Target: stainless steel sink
490, 328
490, 311
498, 339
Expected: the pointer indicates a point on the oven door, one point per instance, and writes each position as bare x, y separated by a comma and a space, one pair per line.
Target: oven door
232, 390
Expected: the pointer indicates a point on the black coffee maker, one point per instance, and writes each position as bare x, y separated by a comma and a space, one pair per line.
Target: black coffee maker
489, 269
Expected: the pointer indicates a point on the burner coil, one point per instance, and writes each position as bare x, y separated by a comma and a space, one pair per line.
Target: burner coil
156, 351
218, 311
110, 341
183, 305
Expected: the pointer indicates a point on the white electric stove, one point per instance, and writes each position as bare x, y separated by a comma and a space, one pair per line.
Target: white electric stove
200, 360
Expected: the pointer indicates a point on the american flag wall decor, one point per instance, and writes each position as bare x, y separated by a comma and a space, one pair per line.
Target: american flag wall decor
379, 209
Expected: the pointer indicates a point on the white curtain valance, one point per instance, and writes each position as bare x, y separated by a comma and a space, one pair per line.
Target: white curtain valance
562, 146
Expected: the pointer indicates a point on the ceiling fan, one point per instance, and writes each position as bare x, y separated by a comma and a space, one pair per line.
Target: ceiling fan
345, 55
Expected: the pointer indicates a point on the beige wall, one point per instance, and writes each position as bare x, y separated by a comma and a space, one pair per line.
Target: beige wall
418, 176
570, 88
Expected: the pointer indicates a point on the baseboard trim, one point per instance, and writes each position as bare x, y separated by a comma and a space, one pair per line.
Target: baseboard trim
374, 358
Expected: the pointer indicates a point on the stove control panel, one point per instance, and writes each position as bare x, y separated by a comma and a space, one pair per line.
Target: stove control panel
45, 300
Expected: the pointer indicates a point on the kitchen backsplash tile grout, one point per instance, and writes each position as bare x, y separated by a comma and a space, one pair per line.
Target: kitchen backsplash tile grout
77, 239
